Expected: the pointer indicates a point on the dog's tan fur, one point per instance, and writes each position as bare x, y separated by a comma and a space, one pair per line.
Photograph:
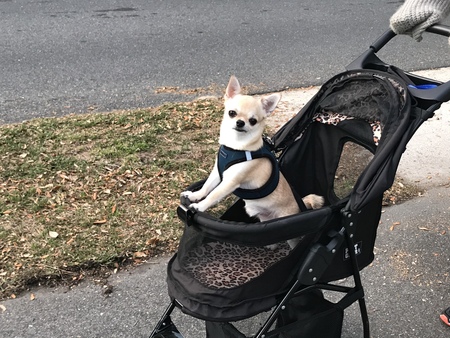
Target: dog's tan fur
237, 132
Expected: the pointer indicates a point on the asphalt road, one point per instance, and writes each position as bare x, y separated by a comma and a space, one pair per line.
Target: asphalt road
60, 57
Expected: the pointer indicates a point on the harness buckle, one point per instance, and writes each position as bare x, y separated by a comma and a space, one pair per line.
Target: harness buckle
268, 141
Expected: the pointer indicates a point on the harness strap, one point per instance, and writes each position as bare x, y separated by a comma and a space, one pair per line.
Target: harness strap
228, 157
299, 200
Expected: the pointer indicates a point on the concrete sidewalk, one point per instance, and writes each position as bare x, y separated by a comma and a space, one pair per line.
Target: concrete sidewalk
407, 286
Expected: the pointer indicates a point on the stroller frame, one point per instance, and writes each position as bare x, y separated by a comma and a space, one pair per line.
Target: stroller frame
316, 259
313, 263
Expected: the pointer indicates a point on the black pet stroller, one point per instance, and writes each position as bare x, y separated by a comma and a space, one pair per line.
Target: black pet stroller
224, 273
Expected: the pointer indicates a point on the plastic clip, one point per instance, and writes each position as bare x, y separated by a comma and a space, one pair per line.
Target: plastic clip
186, 214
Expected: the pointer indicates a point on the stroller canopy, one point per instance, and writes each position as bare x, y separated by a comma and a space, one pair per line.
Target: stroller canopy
368, 107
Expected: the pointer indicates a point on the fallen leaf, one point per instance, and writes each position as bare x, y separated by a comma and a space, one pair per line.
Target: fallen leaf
114, 208
152, 241
139, 254
423, 228
101, 221
3, 308
394, 225
32, 296
71, 178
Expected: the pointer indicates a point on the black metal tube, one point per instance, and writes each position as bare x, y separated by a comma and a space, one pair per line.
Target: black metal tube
439, 29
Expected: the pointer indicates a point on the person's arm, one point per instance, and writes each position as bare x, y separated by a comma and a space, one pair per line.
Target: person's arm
414, 16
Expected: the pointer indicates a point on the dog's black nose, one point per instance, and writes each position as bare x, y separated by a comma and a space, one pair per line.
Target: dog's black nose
240, 123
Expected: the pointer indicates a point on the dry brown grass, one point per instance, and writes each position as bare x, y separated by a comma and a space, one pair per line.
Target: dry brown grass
87, 191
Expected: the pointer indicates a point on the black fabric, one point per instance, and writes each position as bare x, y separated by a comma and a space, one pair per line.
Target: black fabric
222, 330
262, 233
309, 315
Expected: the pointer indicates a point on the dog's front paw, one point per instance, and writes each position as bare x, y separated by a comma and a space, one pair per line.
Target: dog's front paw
191, 195
197, 207
186, 194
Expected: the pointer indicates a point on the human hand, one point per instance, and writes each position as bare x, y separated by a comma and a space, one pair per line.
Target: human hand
415, 16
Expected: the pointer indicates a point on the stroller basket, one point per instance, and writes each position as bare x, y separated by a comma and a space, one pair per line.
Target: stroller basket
224, 270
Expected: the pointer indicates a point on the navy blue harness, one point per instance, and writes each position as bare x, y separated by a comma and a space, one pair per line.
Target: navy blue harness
228, 157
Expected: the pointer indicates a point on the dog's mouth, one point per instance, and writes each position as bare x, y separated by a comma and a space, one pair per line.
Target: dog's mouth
240, 130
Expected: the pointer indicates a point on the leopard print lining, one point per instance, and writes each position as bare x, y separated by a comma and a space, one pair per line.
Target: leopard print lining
334, 119
219, 265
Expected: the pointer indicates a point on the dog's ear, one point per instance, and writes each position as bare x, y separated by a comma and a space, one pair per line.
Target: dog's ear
270, 102
233, 88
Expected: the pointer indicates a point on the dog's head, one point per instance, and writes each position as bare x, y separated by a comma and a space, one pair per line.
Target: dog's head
244, 117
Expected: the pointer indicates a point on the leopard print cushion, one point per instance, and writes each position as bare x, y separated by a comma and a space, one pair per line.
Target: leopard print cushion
334, 119
219, 265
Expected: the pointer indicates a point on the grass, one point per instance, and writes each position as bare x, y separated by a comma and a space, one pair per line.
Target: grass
88, 191
83, 194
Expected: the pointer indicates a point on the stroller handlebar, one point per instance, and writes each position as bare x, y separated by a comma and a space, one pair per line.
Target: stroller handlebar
389, 35
421, 88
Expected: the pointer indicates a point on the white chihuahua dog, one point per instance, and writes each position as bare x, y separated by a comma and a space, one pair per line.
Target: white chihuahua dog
244, 166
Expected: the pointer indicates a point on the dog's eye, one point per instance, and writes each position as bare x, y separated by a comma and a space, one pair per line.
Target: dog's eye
232, 113
253, 121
